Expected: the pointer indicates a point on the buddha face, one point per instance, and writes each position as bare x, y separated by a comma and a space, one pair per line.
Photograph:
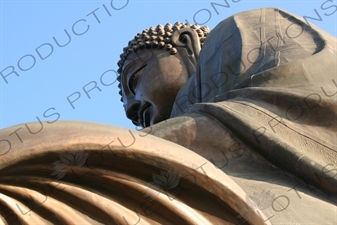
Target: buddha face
151, 79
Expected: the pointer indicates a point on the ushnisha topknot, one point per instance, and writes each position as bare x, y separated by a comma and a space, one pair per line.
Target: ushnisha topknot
157, 37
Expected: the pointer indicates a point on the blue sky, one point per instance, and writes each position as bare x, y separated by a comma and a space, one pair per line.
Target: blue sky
49, 75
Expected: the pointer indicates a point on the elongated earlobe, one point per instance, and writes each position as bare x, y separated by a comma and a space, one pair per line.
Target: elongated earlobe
187, 38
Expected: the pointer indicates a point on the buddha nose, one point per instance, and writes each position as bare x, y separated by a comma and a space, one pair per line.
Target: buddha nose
132, 111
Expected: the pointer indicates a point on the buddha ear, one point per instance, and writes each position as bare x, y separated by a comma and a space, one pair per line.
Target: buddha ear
187, 38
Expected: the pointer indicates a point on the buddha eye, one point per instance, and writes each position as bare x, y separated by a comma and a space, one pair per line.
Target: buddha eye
130, 85
133, 81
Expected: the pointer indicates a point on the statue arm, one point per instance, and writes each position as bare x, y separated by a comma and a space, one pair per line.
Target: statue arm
93, 173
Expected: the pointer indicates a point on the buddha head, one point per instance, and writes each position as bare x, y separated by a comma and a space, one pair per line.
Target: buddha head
153, 68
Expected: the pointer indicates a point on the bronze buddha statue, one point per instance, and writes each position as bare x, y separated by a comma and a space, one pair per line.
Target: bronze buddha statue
239, 128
